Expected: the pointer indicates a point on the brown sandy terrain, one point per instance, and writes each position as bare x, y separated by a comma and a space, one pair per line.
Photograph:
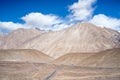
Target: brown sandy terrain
107, 69
40, 71
24, 55
108, 58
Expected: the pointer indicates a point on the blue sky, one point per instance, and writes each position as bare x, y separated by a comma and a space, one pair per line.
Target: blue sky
57, 14
108, 7
12, 10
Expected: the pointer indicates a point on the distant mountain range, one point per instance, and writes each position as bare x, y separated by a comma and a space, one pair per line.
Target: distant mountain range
81, 37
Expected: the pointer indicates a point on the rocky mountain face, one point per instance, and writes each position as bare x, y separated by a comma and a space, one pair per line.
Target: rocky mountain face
82, 37
2, 38
17, 37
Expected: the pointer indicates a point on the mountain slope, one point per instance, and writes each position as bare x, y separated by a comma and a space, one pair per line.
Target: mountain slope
17, 37
2, 38
106, 59
82, 37
24, 55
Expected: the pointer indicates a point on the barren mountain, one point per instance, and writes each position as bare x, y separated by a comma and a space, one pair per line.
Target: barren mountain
2, 38
82, 37
80, 47
106, 59
1, 35
17, 37
24, 55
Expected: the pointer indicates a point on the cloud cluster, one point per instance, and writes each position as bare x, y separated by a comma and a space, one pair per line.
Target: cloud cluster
10, 25
79, 11
106, 21
39, 20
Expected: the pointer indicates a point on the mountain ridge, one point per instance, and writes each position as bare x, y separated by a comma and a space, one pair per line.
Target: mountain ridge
81, 37
106, 59
24, 55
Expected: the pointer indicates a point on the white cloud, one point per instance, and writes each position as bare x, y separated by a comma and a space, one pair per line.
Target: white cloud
81, 10
10, 25
41, 20
61, 26
105, 21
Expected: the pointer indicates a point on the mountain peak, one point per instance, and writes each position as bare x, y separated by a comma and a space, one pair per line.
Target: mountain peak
17, 37
81, 37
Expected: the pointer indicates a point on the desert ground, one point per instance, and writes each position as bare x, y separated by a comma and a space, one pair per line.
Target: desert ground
81, 66
42, 71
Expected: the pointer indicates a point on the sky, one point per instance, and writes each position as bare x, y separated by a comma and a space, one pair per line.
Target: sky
58, 14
